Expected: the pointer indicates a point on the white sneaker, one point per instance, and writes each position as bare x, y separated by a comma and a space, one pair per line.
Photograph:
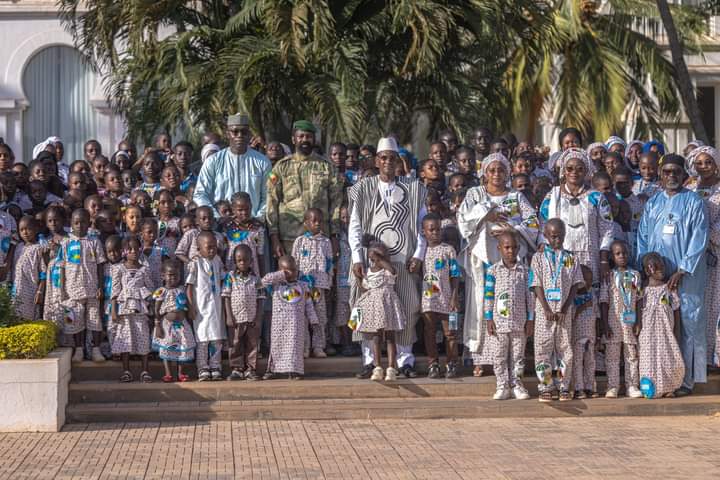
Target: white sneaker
96, 355
377, 374
634, 392
78, 356
502, 394
520, 393
391, 374
319, 353
611, 393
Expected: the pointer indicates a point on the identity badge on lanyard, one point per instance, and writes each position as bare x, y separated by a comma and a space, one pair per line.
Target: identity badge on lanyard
669, 227
553, 294
624, 281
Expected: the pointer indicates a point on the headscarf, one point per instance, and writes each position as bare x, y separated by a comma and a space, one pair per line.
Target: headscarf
120, 153
595, 145
672, 159
615, 140
651, 143
695, 144
208, 150
692, 156
576, 153
492, 158
37, 149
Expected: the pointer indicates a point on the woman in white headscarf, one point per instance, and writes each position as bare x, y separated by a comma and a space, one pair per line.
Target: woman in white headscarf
487, 211
704, 163
585, 212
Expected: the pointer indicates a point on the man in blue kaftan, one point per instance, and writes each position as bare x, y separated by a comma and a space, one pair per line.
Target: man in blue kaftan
675, 225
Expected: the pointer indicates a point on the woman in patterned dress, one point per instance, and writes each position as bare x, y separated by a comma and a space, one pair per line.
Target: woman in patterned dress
487, 211
379, 310
704, 165
661, 368
131, 287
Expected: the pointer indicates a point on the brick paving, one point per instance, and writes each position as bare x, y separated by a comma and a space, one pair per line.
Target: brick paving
514, 448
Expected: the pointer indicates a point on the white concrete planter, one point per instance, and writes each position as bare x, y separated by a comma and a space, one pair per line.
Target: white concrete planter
34, 393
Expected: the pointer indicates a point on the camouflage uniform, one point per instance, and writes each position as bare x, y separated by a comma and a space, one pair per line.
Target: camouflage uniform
299, 182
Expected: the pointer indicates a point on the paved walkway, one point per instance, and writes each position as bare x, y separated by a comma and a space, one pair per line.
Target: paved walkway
573, 449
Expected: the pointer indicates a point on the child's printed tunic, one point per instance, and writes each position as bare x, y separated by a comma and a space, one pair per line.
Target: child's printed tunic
556, 272
188, 243
153, 261
253, 238
178, 344
53, 310
508, 299
711, 198
621, 295
313, 254
439, 266
661, 361
206, 276
130, 289
169, 235
583, 343
292, 310
648, 189
30, 269
243, 292
379, 307
80, 257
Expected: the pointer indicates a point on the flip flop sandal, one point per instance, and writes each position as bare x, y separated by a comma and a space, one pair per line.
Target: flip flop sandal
183, 378
145, 377
167, 378
126, 377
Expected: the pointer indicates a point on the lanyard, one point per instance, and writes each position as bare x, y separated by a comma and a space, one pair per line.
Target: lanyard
555, 271
621, 279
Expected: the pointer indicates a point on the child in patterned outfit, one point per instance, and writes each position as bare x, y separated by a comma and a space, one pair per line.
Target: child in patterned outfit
292, 310
153, 254
187, 248
132, 221
313, 254
243, 301
243, 230
7, 252
648, 184
30, 271
114, 254
204, 283
168, 225
440, 295
623, 185
131, 288
53, 310
173, 336
342, 286
555, 277
662, 368
378, 311
509, 314
620, 313
82, 258
584, 337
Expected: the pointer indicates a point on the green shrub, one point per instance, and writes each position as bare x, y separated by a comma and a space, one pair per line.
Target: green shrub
27, 340
7, 309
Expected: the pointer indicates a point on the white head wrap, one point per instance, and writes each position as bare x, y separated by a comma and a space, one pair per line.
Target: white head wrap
692, 156
208, 150
614, 140
495, 157
595, 145
576, 153
37, 149
387, 144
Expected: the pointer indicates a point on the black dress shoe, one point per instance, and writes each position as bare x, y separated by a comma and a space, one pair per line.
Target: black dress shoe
408, 371
366, 372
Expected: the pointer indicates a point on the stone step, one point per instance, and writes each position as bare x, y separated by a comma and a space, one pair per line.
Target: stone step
310, 388
373, 408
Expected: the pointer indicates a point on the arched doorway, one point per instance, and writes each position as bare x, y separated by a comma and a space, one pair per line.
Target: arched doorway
58, 86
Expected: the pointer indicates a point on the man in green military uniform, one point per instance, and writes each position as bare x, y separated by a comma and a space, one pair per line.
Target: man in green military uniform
298, 182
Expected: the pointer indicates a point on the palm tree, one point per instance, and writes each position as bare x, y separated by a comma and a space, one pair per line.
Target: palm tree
599, 70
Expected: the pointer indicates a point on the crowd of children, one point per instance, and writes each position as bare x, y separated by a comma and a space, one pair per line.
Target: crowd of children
115, 252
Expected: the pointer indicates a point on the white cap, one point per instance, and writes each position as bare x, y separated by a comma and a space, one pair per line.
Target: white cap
387, 144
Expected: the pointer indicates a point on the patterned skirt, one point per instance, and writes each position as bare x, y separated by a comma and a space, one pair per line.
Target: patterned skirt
380, 309
130, 334
178, 344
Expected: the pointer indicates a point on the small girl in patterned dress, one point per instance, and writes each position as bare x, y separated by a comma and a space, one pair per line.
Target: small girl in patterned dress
584, 337
662, 368
313, 254
131, 287
439, 296
620, 313
30, 271
292, 310
53, 310
242, 230
378, 312
153, 254
168, 225
113, 252
243, 302
82, 259
173, 336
